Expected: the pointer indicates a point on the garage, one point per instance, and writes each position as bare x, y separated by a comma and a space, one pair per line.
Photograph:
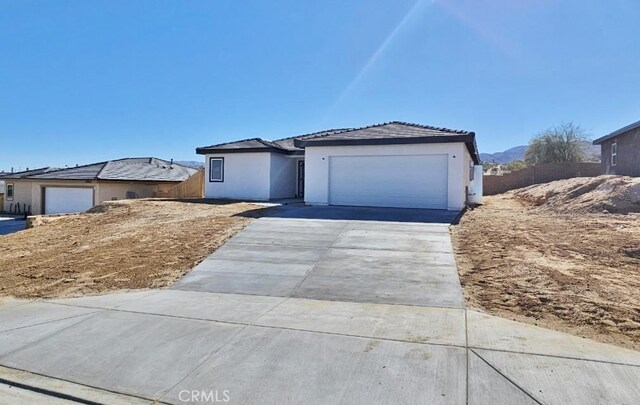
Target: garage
67, 200
403, 181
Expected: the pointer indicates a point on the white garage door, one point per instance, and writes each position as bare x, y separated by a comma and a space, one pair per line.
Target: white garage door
416, 181
66, 200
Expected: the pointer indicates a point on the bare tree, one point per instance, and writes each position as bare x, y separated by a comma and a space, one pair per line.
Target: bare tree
559, 144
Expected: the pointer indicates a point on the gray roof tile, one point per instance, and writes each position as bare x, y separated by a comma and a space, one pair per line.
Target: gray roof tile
381, 133
26, 173
127, 169
395, 129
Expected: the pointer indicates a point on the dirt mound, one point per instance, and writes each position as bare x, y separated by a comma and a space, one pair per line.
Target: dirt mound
118, 245
615, 194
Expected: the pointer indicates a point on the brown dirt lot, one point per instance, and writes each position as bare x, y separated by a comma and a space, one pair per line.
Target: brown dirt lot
121, 245
574, 272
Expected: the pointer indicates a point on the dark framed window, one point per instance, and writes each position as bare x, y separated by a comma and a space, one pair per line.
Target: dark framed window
9, 192
216, 169
614, 154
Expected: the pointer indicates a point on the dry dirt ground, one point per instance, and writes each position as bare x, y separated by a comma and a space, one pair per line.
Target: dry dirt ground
120, 245
574, 272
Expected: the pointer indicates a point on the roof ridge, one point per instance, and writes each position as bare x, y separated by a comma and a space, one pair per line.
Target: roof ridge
102, 169
79, 166
326, 131
357, 129
230, 142
444, 129
29, 170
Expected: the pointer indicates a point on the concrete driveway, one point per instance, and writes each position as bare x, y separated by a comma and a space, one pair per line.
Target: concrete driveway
298, 309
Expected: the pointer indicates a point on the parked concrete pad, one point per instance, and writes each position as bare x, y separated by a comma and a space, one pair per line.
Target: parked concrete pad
554, 380
360, 239
366, 214
199, 305
396, 322
229, 283
262, 253
380, 291
297, 226
252, 267
135, 354
408, 228
10, 394
292, 367
284, 238
420, 267
319, 226
488, 387
491, 332
16, 339
35, 313
106, 301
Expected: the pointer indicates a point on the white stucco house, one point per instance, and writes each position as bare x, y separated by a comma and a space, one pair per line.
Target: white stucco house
395, 164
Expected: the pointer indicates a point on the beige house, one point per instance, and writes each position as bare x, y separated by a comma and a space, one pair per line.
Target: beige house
76, 189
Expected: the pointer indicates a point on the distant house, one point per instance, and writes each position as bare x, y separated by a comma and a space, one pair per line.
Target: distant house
76, 189
395, 164
621, 151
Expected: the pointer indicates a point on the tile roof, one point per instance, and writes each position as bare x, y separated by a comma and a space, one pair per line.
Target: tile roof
395, 132
289, 143
379, 134
388, 130
26, 173
127, 169
620, 131
284, 145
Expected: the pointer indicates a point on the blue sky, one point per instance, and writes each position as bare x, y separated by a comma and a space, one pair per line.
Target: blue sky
84, 81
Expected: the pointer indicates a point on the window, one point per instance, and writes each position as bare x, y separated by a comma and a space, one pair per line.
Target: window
216, 170
471, 171
9, 192
614, 154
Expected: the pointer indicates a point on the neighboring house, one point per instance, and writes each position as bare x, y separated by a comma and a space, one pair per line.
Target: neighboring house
394, 164
621, 151
1, 192
76, 189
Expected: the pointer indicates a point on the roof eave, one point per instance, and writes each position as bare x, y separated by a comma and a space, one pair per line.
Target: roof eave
209, 151
469, 139
386, 141
617, 133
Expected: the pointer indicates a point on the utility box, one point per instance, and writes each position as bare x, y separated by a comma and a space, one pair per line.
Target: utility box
475, 186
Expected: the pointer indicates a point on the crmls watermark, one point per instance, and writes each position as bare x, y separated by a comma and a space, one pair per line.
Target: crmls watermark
204, 396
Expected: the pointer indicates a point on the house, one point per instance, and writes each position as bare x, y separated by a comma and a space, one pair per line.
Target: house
395, 164
621, 151
76, 189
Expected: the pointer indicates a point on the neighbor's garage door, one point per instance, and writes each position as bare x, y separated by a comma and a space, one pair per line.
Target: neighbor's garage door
417, 181
66, 200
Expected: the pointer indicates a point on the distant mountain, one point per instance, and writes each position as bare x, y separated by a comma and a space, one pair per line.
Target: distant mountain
509, 155
190, 163
517, 153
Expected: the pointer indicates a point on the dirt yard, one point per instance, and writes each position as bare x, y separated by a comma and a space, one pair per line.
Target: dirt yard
574, 272
121, 245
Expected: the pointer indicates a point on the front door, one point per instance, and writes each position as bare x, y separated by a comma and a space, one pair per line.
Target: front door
300, 178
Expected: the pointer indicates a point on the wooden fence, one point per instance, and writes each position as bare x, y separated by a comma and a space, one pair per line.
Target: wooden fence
193, 187
537, 175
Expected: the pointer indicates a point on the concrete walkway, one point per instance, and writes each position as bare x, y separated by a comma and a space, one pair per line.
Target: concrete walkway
296, 310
